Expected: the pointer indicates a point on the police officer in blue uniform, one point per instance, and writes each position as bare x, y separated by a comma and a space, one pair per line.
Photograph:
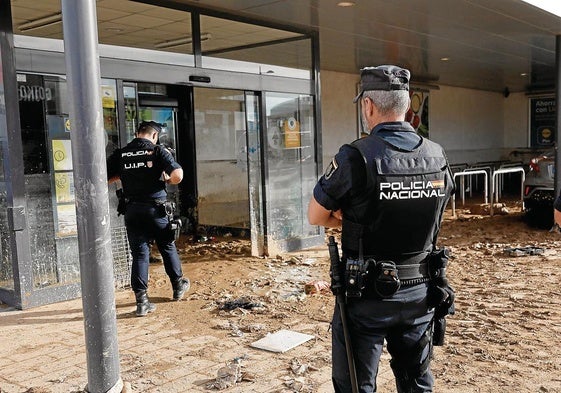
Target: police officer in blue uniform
144, 168
388, 192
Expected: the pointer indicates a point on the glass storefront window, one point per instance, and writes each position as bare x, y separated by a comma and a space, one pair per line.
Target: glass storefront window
32, 96
49, 181
37, 97
60, 157
6, 270
291, 165
244, 47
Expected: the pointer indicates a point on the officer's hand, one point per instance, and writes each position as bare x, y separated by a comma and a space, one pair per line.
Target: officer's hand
165, 177
337, 214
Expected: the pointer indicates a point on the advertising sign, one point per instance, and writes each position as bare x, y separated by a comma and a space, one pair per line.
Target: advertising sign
542, 122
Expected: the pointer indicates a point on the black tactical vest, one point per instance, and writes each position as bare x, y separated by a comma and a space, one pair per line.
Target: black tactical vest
141, 167
406, 194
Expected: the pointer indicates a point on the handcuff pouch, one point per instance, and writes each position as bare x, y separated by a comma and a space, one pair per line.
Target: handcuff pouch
386, 279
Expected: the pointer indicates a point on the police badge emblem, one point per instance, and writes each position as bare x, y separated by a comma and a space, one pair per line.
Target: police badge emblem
331, 168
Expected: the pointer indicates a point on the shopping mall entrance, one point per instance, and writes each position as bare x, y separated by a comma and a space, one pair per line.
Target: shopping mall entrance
248, 159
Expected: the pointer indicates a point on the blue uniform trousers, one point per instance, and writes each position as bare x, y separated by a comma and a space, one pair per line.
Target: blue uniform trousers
146, 222
402, 321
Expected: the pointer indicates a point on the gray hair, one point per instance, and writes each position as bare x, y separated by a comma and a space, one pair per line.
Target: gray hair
394, 101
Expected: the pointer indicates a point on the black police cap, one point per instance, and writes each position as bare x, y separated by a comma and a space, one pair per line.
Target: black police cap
152, 124
383, 77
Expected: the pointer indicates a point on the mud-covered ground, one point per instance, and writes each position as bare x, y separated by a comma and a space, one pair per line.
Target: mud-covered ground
504, 337
506, 334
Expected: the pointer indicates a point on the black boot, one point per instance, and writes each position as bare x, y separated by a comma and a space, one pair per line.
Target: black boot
143, 305
180, 287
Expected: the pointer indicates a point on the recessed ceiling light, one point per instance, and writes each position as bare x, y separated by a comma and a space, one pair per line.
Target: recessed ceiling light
346, 3
445, 58
524, 74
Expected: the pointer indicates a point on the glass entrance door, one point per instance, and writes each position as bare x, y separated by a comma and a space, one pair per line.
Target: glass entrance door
256, 173
290, 171
255, 170
222, 167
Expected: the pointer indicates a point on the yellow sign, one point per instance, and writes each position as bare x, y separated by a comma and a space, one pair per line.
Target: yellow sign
62, 155
291, 133
108, 97
64, 187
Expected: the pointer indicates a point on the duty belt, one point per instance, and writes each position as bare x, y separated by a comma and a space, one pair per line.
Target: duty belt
409, 274
147, 201
413, 274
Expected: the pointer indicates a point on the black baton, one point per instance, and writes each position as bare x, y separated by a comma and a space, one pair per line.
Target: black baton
337, 288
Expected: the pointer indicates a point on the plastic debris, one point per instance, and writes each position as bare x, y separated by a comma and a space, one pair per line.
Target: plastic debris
281, 341
317, 287
524, 251
228, 375
242, 302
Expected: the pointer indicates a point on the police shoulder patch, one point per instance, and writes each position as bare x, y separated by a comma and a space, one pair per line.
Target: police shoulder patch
332, 167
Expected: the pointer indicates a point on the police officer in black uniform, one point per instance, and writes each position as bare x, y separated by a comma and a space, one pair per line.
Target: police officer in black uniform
388, 191
144, 168
557, 213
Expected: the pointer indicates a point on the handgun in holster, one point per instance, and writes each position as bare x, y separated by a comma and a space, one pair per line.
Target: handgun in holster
122, 202
174, 222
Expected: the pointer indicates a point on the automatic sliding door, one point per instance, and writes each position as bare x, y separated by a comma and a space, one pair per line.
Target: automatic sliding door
291, 171
254, 168
240, 185
222, 178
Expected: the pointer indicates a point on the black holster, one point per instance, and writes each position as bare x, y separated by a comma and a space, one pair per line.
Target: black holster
122, 202
174, 222
441, 295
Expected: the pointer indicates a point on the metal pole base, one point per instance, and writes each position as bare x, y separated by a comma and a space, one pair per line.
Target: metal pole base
119, 387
